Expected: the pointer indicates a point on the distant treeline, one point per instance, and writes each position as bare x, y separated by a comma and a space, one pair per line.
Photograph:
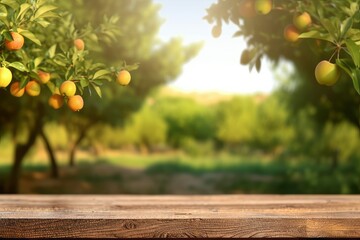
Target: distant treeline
239, 124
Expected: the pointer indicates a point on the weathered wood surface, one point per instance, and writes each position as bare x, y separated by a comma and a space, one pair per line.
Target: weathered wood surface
223, 216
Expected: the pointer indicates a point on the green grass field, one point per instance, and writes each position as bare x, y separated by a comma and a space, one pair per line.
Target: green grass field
177, 173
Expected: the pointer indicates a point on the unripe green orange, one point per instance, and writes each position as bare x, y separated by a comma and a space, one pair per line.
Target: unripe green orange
79, 44
44, 77
302, 20
123, 77
68, 88
15, 90
75, 103
5, 77
216, 31
263, 6
56, 101
32, 88
327, 73
291, 33
17, 42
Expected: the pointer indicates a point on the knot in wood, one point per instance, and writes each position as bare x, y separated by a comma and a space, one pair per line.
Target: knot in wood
130, 225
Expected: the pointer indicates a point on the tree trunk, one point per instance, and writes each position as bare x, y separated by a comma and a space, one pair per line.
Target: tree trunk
2, 184
50, 151
20, 152
75, 146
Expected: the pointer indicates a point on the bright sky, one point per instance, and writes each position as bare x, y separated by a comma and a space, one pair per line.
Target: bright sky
216, 68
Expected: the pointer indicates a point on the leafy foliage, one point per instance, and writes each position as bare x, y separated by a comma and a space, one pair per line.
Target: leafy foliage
332, 35
334, 25
148, 128
54, 53
43, 47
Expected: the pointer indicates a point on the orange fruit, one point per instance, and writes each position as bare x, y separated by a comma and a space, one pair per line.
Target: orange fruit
68, 88
327, 73
5, 77
263, 6
291, 33
247, 9
302, 20
33, 88
56, 101
75, 103
123, 77
44, 77
17, 42
15, 89
79, 44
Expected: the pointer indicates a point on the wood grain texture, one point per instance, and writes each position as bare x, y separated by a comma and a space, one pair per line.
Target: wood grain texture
223, 216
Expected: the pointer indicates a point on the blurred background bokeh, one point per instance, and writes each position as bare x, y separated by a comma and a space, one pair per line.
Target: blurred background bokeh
192, 121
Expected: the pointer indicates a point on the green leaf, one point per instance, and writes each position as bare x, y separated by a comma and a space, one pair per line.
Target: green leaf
100, 73
8, 36
38, 61
345, 26
52, 50
3, 12
75, 58
41, 2
330, 27
97, 90
43, 23
354, 34
44, 9
356, 79
317, 35
11, 3
354, 51
93, 37
49, 15
29, 35
319, 9
354, 8
33, 74
84, 82
132, 67
114, 19
23, 82
98, 82
23, 9
111, 35
82, 91
60, 62
346, 65
70, 73
51, 86
19, 66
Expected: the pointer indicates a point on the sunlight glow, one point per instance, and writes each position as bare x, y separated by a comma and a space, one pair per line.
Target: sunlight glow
217, 67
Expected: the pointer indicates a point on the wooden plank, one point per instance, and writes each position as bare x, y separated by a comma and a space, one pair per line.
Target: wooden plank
222, 216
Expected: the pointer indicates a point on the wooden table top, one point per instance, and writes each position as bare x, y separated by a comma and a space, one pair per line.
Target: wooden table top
147, 216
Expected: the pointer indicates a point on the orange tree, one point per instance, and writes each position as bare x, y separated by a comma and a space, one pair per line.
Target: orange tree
45, 61
321, 38
161, 62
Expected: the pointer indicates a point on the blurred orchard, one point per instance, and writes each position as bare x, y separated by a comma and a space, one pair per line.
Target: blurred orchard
84, 107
